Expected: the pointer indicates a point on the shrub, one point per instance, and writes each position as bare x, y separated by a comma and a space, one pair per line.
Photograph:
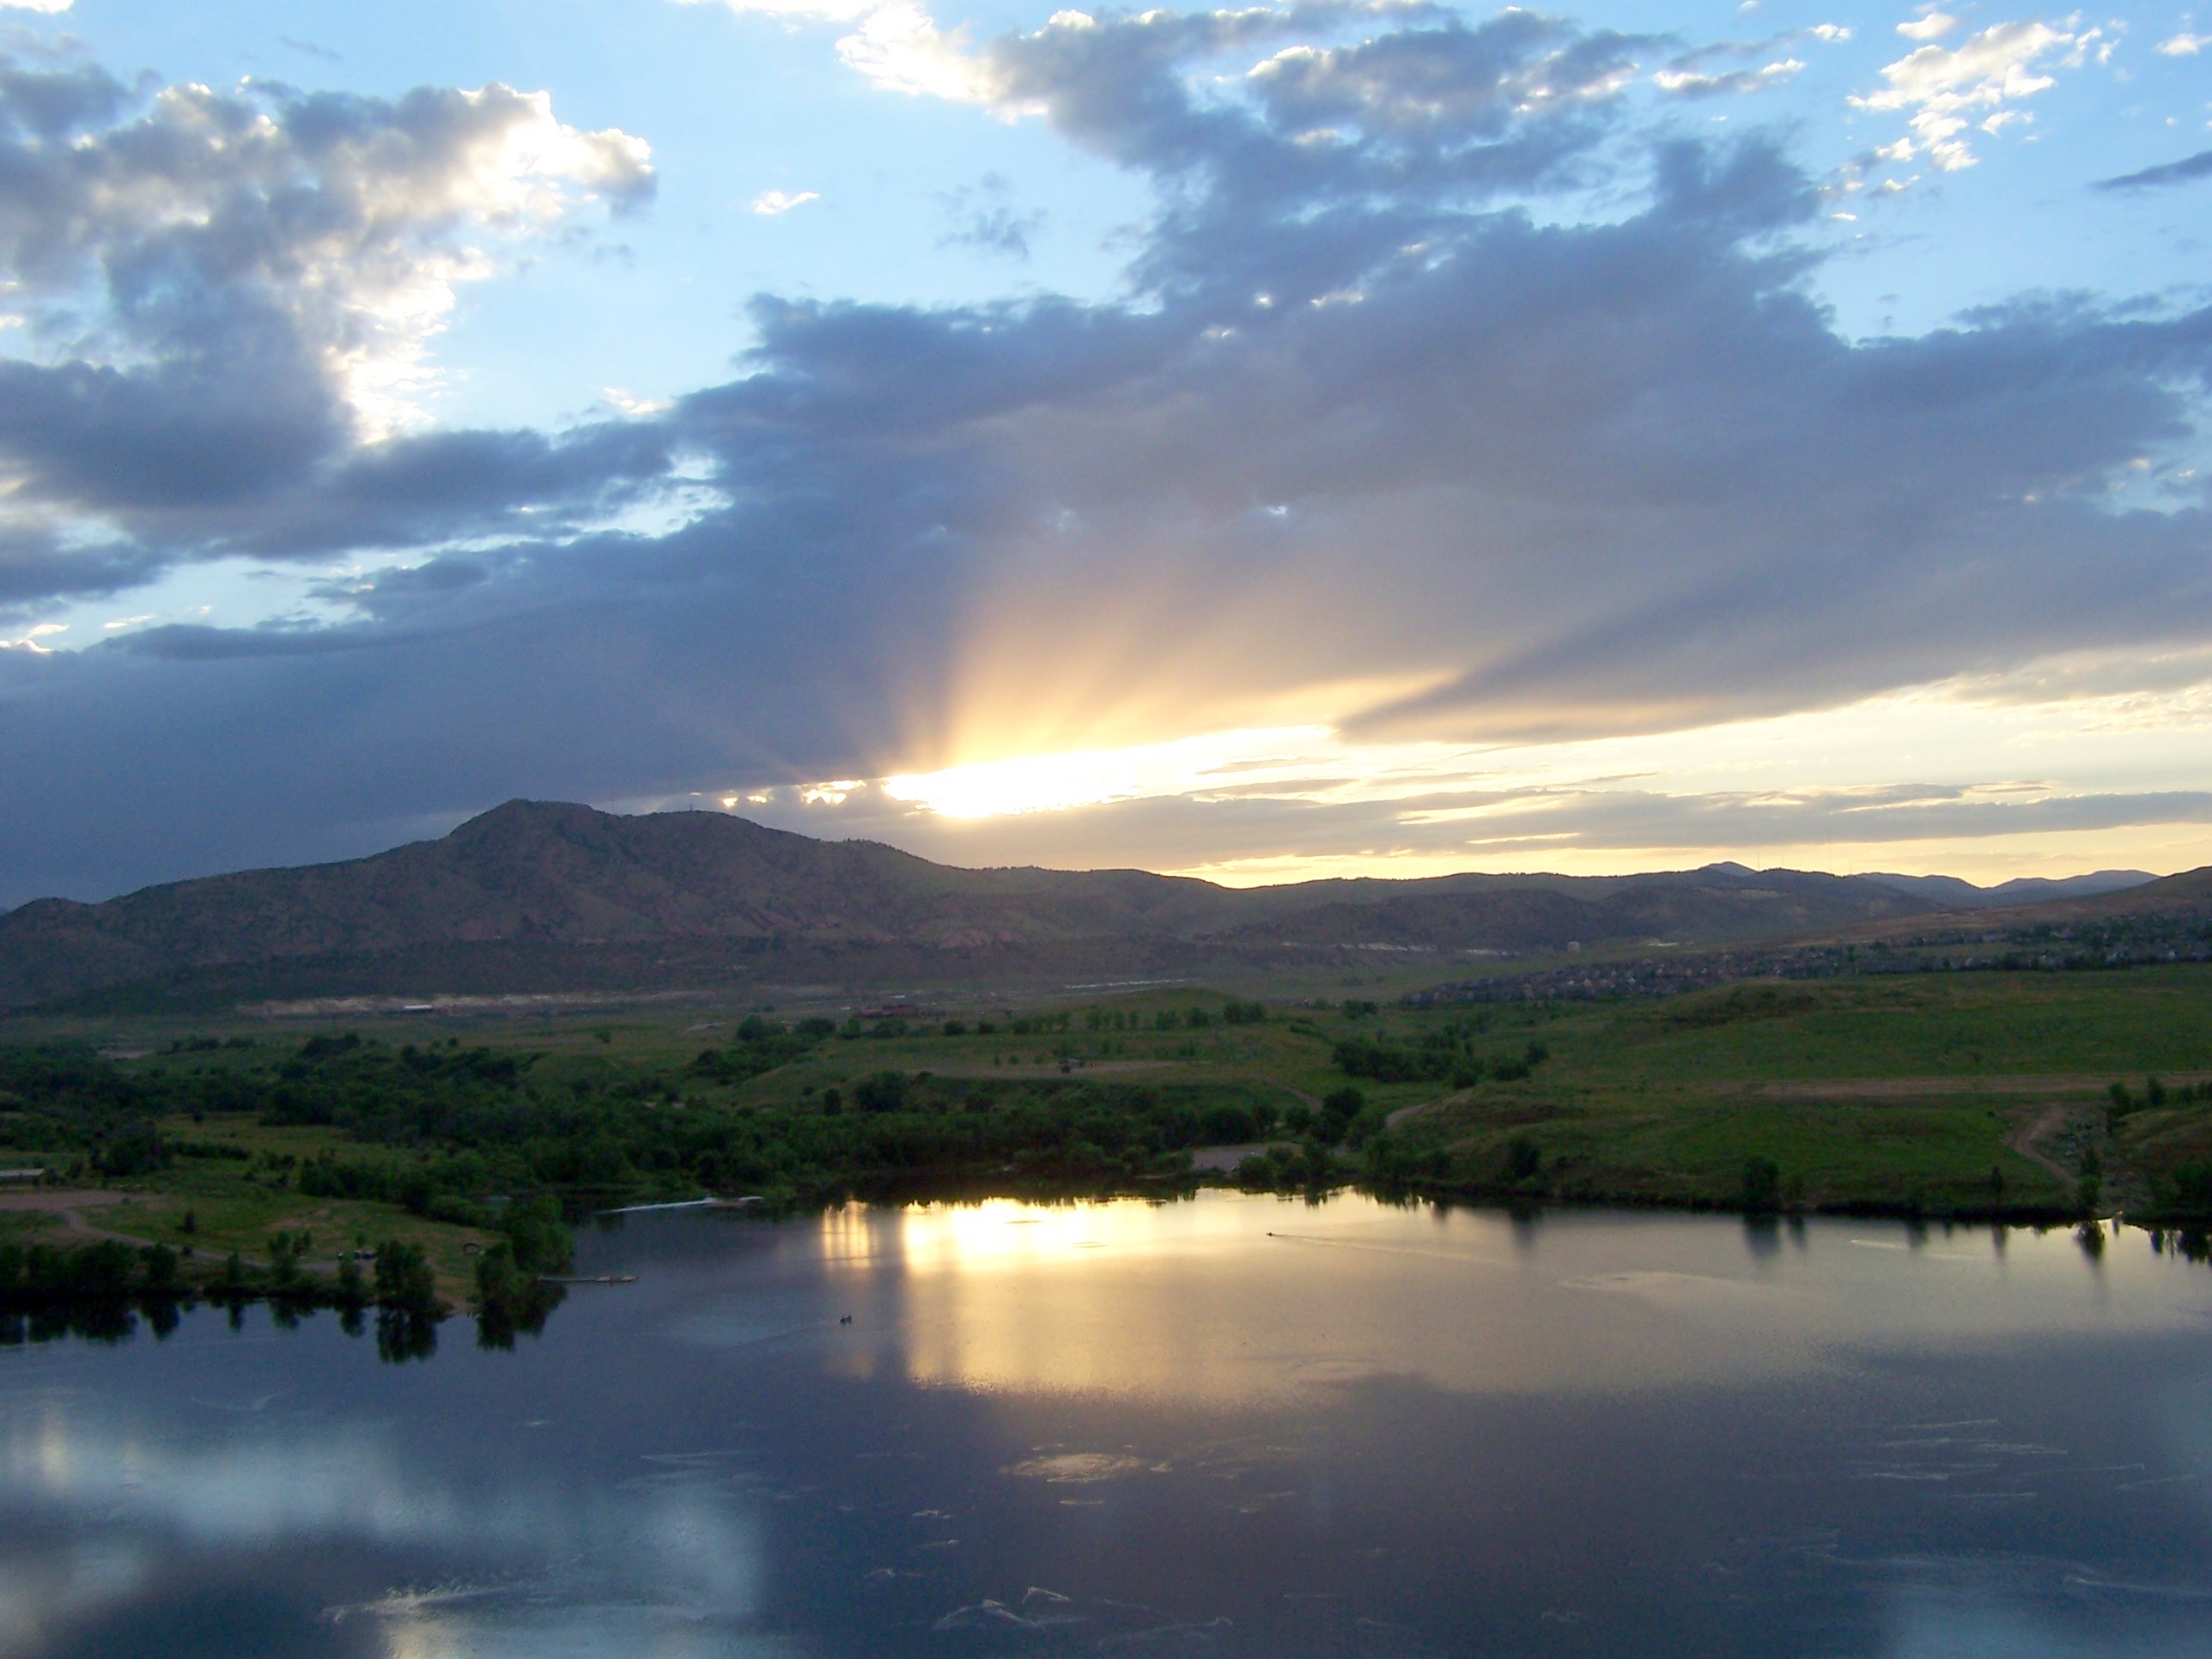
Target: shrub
1228, 1125
885, 1091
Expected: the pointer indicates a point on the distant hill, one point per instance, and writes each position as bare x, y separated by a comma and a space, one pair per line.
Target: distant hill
1954, 894
539, 895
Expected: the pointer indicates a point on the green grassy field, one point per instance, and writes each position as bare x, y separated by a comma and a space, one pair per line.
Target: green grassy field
1940, 1094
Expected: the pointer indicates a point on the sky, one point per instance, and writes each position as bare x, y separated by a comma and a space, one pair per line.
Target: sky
1300, 439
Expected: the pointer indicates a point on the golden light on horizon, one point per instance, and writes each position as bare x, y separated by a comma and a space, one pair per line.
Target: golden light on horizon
2043, 773
1093, 777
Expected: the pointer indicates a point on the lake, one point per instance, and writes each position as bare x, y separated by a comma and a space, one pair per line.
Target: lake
1234, 1425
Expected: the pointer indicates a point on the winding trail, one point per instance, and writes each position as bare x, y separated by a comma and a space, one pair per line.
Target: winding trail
1913, 1088
2027, 1139
65, 1206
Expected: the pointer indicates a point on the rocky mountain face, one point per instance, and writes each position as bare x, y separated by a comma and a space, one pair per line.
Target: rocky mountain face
536, 885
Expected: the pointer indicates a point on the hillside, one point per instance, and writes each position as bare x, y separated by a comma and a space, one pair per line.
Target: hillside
542, 896
1950, 891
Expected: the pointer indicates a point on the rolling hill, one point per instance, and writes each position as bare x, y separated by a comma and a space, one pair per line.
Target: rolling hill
548, 896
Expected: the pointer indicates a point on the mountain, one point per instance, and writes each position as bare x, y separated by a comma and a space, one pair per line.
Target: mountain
547, 896
1953, 894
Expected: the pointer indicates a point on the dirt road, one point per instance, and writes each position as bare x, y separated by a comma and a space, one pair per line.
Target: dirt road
1914, 1088
65, 1206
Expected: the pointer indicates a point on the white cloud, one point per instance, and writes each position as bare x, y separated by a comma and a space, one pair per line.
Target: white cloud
1692, 83
1834, 34
29, 641
897, 44
899, 47
833, 11
50, 7
770, 203
368, 277
1945, 87
1931, 25
2184, 45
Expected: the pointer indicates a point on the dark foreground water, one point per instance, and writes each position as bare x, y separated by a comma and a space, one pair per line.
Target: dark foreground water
1232, 1427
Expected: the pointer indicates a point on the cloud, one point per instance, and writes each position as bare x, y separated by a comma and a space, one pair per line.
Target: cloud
1692, 83
2183, 45
1260, 835
2185, 170
1945, 87
226, 296
984, 217
1389, 431
1930, 25
894, 43
51, 8
770, 202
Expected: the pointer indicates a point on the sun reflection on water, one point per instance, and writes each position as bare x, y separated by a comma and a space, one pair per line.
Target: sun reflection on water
1239, 1298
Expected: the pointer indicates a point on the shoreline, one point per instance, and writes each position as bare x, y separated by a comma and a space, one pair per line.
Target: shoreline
95, 1312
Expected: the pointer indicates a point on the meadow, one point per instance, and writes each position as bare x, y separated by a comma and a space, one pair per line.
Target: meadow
259, 1151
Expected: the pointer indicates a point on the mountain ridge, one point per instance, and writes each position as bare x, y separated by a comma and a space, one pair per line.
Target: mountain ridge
530, 880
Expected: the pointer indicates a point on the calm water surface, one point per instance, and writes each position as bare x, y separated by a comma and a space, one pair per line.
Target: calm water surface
1231, 1426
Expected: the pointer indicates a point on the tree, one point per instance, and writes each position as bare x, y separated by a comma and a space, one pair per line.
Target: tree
1338, 1108
537, 1239
405, 1278
158, 1264
1761, 1192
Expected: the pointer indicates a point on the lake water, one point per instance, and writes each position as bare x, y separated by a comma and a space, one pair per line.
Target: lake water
1236, 1425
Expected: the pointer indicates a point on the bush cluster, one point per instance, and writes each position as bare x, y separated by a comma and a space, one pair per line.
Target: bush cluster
1445, 1054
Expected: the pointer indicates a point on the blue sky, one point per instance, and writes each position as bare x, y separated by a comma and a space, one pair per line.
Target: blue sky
737, 102
1317, 439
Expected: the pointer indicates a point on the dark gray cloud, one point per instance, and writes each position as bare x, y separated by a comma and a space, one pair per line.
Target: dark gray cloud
54, 99
2188, 170
1365, 418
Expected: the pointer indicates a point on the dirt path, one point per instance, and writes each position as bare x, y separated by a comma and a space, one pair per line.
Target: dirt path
1904, 1088
49, 1202
66, 1206
77, 1224
2028, 1139
1051, 1068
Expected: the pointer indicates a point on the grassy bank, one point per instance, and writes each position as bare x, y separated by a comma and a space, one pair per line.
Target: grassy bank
1953, 1095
